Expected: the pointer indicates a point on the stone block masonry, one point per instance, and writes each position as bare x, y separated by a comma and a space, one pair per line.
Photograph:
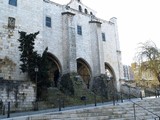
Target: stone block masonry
20, 94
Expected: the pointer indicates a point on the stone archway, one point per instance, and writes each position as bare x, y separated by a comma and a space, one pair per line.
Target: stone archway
111, 78
54, 69
84, 71
109, 72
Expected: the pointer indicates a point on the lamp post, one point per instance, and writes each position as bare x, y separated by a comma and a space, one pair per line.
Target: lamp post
111, 78
36, 71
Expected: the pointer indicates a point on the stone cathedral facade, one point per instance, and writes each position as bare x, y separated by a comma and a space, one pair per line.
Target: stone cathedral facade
77, 40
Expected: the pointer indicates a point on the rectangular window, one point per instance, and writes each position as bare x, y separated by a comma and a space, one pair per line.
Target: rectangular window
103, 37
79, 30
13, 2
11, 22
48, 22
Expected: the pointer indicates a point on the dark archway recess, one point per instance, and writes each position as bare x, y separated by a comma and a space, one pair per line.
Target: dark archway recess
84, 71
111, 78
109, 71
54, 69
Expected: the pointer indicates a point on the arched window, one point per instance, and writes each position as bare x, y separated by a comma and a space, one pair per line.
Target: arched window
80, 8
91, 13
86, 11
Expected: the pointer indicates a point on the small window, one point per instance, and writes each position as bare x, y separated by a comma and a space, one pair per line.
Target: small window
91, 13
78, 0
13, 2
86, 11
80, 8
11, 22
79, 30
103, 37
48, 22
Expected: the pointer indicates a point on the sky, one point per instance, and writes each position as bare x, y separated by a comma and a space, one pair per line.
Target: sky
138, 21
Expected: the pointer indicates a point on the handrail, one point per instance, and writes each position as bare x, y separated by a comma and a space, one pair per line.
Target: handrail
139, 106
144, 109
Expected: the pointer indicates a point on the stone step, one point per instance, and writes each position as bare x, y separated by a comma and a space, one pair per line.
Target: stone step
121, 111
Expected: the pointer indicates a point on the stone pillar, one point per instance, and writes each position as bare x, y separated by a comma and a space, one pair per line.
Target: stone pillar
119, 74
97, 48
69, 43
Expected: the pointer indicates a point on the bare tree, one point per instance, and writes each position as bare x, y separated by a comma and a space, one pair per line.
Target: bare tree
148, 56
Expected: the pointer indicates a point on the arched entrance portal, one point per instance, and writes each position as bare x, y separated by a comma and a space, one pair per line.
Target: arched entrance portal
84, 71
109, 72
111, 78
54, 69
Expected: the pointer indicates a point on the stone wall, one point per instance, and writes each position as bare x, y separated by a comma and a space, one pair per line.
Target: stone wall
21, 95
132, 91
30, 17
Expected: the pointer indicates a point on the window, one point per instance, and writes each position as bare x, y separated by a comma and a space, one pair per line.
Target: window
78, 0
86, 11
11, 22
13, 2
103, 37
80, 8
91, 13
48, 22
79, 30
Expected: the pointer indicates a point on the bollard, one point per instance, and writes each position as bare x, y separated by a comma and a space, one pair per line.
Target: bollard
35, 106
129, 96
59, 104
8, 114
117, 97
155, 93
63, 103
3, 111
141, 95
95, 100
121, 98
134, 111
129, 93
113, 100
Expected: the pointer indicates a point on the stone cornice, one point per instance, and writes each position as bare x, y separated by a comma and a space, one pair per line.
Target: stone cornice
68, 13
95, 22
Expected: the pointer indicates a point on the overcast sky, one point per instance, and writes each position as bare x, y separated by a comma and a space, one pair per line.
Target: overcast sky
138, 21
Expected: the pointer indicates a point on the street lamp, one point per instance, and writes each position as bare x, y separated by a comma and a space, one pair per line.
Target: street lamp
36, 71
111, 78
36, 104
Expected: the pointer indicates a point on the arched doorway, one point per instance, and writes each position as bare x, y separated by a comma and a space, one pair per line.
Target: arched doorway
84, 71
109, 72
54, 69
111, 79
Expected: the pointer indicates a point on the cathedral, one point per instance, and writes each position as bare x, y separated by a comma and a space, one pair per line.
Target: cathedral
77, 40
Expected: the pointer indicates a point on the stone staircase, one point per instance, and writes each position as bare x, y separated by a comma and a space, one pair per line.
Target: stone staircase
146, 109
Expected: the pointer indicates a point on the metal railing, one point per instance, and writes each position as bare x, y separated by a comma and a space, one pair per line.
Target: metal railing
129, 96
154, 115
60, 103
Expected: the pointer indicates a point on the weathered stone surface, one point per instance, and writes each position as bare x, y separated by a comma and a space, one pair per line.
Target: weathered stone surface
62, 41
73, 84
20, 94
103, 87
